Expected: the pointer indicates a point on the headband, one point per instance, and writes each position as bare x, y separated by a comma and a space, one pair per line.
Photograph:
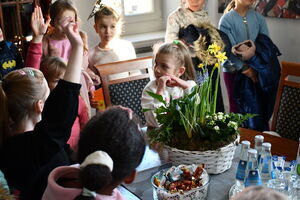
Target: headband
98, 157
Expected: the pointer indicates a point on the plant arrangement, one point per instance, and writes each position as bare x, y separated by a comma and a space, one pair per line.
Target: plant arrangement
191, 122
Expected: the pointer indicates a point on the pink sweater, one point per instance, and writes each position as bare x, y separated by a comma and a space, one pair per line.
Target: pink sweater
33, 59
58, 192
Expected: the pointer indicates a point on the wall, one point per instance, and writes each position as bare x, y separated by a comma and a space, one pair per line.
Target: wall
285, 33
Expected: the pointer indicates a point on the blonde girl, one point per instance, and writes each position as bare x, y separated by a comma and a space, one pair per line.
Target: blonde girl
174, 73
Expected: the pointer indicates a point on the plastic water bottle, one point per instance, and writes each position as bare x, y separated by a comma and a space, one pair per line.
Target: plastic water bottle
266, 166
240, 173
252, 176
259, 139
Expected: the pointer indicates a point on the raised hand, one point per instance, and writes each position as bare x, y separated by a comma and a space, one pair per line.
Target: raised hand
38, 25
71, 30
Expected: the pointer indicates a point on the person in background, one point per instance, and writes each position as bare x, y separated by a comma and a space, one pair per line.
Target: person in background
190, 12
10, 57
252, 74
175, 75
110, 148
34, 127
108, 25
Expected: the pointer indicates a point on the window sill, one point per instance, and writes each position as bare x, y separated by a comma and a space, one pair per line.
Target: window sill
143, 40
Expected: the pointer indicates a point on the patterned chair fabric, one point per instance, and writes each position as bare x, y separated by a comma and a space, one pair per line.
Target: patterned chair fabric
288, 121
129, 94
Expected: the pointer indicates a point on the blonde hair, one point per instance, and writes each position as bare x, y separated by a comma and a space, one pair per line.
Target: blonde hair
19, 91
182, 55
230, 6
58, 7
52, 67
259, 193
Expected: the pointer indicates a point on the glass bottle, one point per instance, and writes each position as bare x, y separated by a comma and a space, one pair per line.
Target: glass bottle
252, 176
265, 166
259, 139
240, 173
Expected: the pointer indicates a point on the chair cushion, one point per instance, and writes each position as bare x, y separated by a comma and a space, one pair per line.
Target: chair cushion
288, 121
129, 94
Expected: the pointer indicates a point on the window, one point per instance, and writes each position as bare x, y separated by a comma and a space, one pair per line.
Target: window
142, 16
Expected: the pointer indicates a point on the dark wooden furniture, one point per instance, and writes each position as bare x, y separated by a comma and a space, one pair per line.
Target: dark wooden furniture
280, 146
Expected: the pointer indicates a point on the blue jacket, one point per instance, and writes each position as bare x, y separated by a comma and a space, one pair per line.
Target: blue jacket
259, 98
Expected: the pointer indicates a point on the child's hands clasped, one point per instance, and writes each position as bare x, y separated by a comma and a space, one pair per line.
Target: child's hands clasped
170, 81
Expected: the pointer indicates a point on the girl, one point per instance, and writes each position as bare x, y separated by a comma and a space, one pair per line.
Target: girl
110, 49
190, 12
53, 69
34, 131
55, 43
253, 84
111, 146
174, 74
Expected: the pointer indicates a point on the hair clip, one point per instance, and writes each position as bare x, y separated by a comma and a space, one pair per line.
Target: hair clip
97, 6
31, 73
176, 42
21, 72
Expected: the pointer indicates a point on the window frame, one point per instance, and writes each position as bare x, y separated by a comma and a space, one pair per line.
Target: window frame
148, 22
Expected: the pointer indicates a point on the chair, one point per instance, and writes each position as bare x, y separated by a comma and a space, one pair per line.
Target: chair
286, 118
126, 91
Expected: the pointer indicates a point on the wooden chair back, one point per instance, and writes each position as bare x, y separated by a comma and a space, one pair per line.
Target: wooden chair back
113, 95
286, 119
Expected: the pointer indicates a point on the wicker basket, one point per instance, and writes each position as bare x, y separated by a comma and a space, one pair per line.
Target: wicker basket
216, 161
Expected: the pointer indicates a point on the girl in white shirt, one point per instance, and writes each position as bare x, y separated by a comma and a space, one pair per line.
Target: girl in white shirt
174, 74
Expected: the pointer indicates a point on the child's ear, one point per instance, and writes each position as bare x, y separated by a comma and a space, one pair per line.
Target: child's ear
95, 27
181, 71
39, 106
129, 179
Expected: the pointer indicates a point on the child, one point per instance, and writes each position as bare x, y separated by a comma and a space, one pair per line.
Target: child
10, 57
55, 43
111, 48
34, 131
110, 148
190, 12
253, 79
53, 69
174, 74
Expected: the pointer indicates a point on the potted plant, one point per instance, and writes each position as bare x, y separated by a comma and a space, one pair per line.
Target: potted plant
191, 130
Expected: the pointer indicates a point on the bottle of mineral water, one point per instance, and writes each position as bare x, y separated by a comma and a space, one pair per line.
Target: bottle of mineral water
252, 176
240, 173
265, 166
259, 139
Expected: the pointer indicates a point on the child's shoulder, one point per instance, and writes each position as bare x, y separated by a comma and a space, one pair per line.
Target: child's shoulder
122, 42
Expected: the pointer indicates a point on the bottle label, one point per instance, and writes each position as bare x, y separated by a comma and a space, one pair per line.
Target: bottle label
267, 171
240, 173
265, 164
253, 178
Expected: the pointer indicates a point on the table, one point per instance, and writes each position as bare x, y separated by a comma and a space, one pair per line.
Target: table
220, 184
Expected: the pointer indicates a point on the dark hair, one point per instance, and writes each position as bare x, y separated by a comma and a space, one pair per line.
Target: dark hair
229, 7
120, 137
58, 7
182, 55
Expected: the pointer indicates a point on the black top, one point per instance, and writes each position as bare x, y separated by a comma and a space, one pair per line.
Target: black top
27, 159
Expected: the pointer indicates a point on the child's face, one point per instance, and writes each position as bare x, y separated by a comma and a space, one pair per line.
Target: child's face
164, 65
245, 3
195, 5
106, 27
52, 82
1, 35
67, 14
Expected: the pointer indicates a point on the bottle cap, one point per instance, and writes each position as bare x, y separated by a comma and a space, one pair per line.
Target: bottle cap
266, 145
246, 143
252, 151
259, 138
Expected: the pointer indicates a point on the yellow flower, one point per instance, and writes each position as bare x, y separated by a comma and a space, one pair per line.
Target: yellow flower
201, 65
217, 65
214, 48
221, 57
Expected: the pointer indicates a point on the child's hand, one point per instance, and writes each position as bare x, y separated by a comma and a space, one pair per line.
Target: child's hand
72, 32
161, 84
93, 103
39, 27
175, 81
251, 73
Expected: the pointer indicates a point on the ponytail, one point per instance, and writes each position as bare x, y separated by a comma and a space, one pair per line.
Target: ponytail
230, 6
94, 177
4, 116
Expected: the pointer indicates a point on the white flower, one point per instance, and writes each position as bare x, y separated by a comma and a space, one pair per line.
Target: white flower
220, 117
215, 117
216, 128
233, 125
197, 100
220, 113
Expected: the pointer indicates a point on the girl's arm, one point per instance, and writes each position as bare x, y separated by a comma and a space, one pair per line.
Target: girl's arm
39, 28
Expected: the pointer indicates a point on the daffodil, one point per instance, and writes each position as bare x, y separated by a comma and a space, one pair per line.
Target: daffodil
221, 57
201, 65
213, 48
217, 65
